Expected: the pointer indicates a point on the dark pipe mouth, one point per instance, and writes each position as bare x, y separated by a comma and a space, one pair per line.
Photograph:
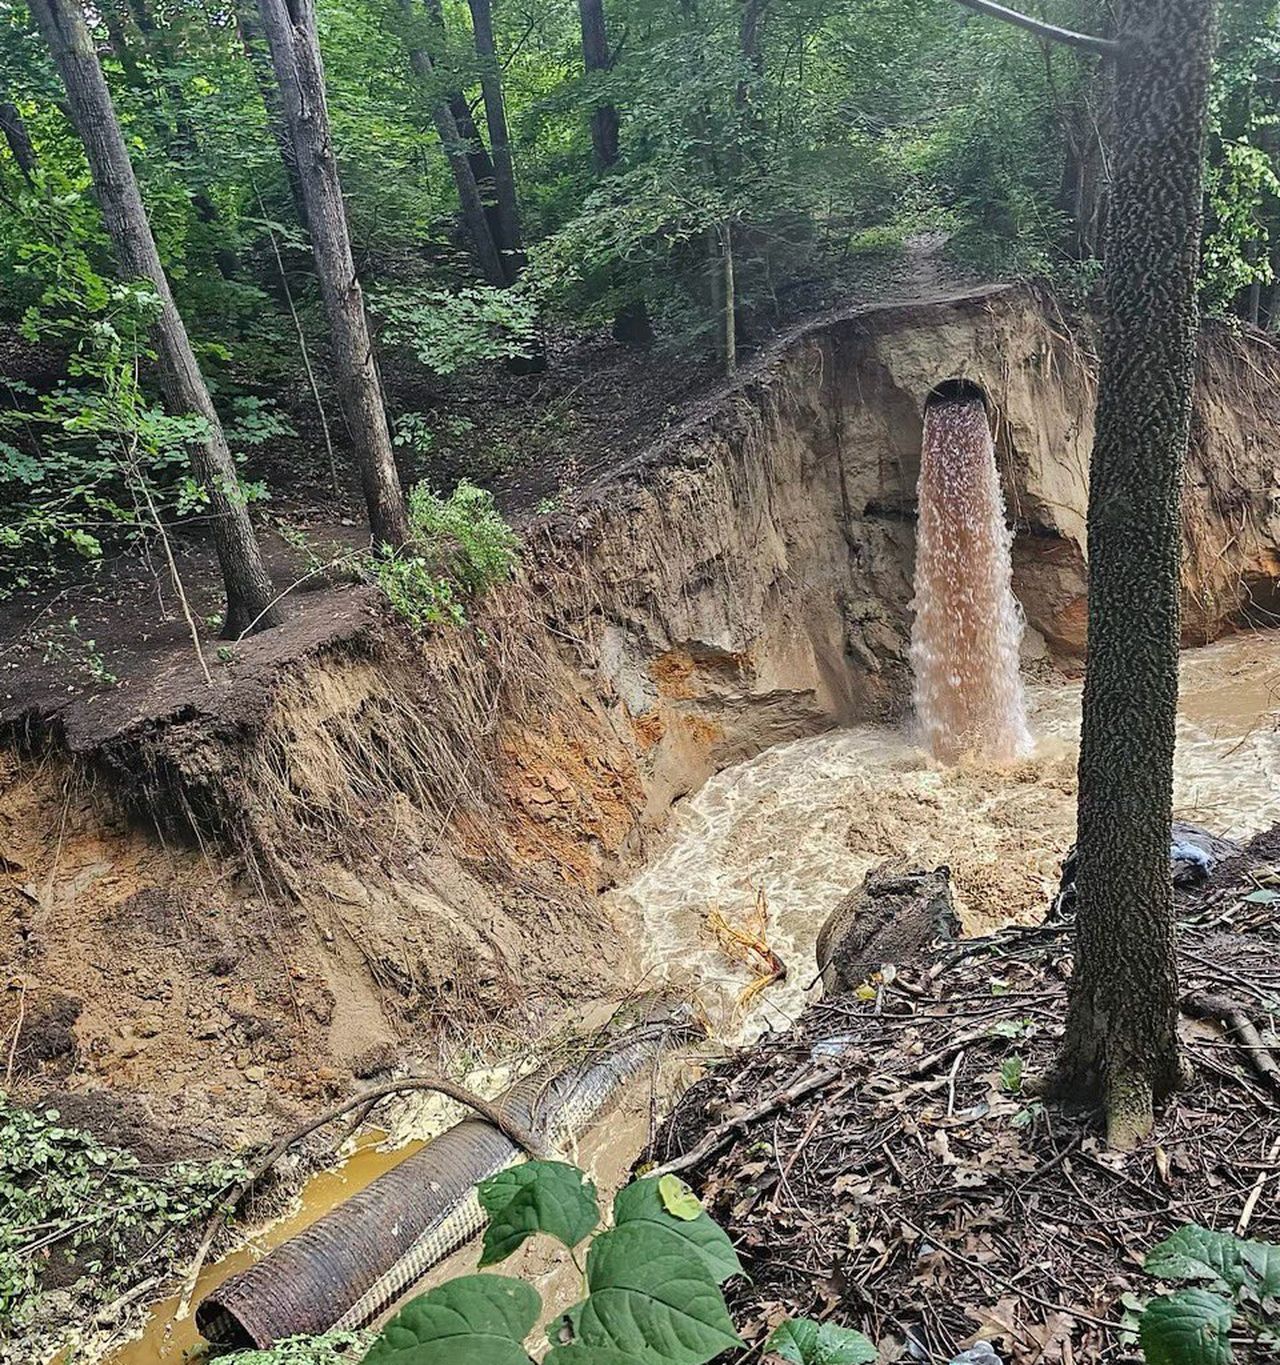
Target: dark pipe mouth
957, 391
222, 1326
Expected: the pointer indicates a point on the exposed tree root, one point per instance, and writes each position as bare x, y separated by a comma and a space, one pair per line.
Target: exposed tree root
1231, 1014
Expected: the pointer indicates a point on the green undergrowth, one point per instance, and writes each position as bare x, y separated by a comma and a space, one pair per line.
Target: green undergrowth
86, 1219
459, 547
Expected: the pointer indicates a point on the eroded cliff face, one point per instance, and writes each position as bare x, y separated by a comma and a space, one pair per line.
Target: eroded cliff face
231, 902
751, 578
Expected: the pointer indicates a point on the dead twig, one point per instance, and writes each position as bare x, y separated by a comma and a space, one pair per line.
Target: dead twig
1231, 1014
1251, 1203
722, 1132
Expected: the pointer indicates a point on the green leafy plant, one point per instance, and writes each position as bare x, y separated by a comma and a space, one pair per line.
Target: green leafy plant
65, 1195
805, 1342
459, 547
64, 644
1230, 1282
449, 331
333, 1348
653, 1280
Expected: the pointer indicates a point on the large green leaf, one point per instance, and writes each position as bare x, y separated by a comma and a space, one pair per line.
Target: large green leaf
1196, 1253
539, 1196
1262, 1265
653, 1301
480, 1319
1190, 1327
805, 1342
641, 1203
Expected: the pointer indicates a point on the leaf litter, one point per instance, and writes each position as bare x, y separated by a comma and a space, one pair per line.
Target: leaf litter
911, 1187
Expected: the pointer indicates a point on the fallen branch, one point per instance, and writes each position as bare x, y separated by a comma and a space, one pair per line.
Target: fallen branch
442, 1085
1231, 1014
721, 1133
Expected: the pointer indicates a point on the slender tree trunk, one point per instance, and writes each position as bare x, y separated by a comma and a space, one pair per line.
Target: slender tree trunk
249, 596
290, 29
259, 60
631, 324
112, 17
495, 114
458, 150
597, 58
1121, 1039
460, 107
730, 301
14, 128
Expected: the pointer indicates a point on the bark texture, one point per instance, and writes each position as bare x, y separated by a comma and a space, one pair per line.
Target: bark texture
495, 115
462, 151
249, 594
597, 58
14, 128
259, 60
290, 30
1121, 1040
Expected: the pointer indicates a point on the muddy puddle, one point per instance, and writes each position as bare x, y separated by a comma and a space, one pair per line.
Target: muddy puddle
166, 1338
784, 836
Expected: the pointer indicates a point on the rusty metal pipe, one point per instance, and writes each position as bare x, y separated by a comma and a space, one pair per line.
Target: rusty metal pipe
357, 1259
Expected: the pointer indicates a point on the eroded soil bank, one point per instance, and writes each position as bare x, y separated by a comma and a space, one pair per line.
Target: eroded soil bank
221, 906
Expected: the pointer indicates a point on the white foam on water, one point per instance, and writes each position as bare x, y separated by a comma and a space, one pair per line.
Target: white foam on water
805, 821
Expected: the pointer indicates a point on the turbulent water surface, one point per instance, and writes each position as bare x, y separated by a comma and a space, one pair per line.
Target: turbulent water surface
803, 823
968, 625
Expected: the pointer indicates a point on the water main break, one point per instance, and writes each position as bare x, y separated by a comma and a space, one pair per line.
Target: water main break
968, 625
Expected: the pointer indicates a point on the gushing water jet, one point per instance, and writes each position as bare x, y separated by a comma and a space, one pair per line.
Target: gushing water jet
968, 625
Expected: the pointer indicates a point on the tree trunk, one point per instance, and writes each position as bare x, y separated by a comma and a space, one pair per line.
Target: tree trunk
120, 47
730, 301
249, 595
458, 149
597, 58
495, 114
260, 64
290, 29
631, 324
1121, 1039
14, 127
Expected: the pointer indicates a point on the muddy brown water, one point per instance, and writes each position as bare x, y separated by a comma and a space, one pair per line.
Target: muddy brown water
802, 823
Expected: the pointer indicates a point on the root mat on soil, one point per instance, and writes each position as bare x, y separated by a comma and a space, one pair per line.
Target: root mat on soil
919, 1194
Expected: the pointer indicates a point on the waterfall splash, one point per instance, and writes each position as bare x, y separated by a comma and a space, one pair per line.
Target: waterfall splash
968, 625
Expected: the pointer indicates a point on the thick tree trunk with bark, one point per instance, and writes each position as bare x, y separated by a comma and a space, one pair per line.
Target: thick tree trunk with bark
14, 128
495, 114
597, 58
459, 148
290, 30
1121, 1040
249, 594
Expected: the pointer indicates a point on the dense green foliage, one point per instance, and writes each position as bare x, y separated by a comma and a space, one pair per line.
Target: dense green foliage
80, 1213
773, 156
459, 547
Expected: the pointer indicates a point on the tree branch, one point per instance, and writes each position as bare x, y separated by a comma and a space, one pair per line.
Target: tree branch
1101, 47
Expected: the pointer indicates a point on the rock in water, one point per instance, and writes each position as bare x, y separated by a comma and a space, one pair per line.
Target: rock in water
892, 917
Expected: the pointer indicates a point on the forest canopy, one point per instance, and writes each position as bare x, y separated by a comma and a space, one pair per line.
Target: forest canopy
690, 173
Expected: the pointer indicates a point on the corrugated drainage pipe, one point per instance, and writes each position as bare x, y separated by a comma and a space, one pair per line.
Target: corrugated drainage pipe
356, 1260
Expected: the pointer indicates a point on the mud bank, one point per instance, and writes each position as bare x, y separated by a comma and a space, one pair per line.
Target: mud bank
229, 902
